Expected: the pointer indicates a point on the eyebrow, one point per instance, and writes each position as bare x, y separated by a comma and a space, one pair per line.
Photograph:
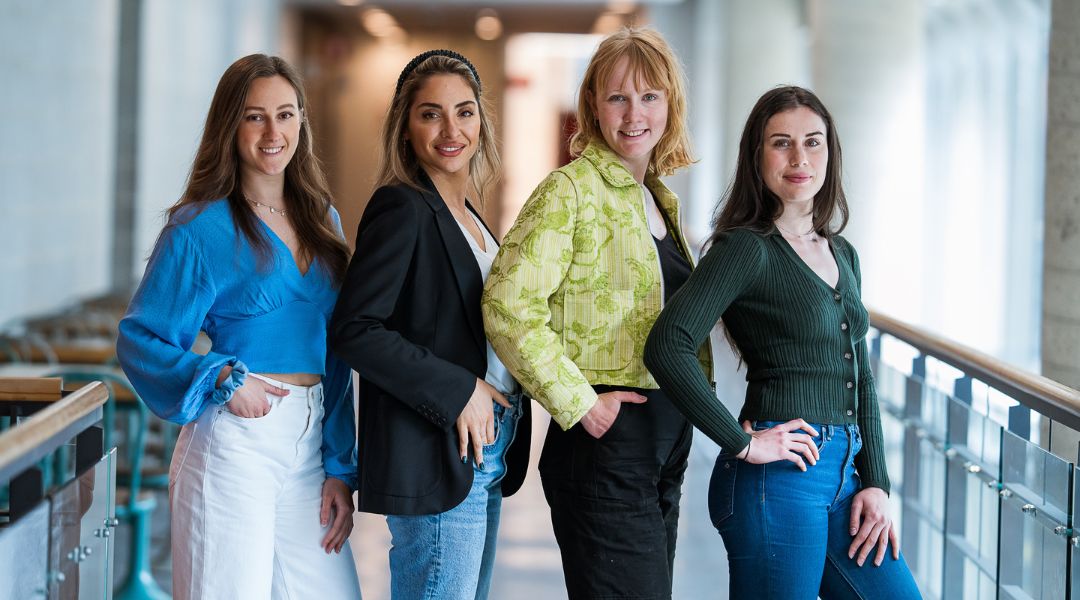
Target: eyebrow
289, 105
434, 105
812, 133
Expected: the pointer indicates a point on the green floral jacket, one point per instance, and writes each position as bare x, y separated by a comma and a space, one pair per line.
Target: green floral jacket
576, 285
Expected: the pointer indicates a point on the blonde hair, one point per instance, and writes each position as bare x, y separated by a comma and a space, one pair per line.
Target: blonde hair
653, 61
399, 163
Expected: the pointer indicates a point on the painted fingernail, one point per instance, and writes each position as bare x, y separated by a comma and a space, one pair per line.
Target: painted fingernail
481, 465
464, 459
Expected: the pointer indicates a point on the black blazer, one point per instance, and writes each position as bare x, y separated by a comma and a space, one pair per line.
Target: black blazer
408, 321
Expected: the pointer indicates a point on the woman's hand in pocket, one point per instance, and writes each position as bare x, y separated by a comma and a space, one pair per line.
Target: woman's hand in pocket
602, 415
476, 423
781, 442
250, 400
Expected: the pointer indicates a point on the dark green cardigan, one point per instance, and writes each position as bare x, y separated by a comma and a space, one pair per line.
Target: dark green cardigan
804, 343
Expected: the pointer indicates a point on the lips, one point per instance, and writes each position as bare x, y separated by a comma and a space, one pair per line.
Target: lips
798, 178
449, 150
633, 133
272, 150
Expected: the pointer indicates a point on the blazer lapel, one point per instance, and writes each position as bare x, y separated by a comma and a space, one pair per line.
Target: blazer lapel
466, 272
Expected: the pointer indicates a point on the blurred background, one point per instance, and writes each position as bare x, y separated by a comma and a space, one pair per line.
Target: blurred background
966, 217
940, 105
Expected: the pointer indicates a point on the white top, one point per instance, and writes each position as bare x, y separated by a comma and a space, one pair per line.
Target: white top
497, 375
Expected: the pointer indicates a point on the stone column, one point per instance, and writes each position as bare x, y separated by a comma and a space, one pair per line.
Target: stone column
1061, 250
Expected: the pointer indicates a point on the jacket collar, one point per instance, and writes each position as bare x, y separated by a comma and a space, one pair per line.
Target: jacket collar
615, 174
607, 163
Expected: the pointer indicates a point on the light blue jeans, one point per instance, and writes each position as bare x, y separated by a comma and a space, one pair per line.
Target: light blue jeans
451, 555
786, 531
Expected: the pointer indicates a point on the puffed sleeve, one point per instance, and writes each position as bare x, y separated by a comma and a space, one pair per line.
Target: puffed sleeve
870, 462
161, 324
732, 264
339, 425
529, 268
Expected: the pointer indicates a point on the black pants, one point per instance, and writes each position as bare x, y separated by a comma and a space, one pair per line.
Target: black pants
615, 501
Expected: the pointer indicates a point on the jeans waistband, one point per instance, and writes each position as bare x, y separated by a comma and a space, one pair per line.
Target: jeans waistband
826, 430
304, 391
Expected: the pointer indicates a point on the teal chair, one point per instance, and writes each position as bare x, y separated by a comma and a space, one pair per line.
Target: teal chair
137, 508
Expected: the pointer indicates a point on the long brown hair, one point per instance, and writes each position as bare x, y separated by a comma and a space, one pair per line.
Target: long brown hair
398, 162
215, 173
749, 203
652, 59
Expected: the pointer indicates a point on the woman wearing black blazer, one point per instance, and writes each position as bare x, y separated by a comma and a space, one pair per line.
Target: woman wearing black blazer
438, 411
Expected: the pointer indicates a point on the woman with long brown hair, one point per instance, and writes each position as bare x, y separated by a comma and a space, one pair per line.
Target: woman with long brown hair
800, 489
261, 481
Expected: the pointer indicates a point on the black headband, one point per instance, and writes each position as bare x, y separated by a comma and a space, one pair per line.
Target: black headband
419, 58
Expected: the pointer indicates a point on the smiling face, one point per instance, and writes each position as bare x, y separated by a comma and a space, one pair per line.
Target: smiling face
444, 126
795, 155
632, 116
270, 128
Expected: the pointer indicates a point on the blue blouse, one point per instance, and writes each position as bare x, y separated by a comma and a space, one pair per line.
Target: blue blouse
204, 275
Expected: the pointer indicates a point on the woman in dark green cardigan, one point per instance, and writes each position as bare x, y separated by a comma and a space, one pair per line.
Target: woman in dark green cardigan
800, 490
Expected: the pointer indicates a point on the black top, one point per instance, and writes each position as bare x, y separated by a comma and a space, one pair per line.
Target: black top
673, 265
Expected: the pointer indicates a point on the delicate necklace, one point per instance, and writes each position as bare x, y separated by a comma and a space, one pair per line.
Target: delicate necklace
797, 235
273, 211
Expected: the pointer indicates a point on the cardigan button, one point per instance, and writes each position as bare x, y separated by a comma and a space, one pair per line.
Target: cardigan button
850, 385
843, 326
836, 297
847, 355
850, 412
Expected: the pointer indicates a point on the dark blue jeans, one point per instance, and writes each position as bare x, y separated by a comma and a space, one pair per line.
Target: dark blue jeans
786, 531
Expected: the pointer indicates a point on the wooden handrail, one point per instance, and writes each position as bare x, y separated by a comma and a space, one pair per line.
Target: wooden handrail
1058, 402
49, 428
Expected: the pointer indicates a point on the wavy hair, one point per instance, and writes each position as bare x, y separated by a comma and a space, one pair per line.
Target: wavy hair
215, 172
399, 163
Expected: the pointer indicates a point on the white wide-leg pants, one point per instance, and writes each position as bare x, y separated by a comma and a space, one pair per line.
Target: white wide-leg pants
245, 496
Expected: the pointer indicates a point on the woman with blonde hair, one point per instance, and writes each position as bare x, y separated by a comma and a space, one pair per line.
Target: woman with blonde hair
260, 488
439, 413
581, 276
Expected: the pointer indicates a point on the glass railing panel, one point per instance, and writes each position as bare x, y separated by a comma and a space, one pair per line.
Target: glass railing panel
971, 509
81, 530
934, 415
1034, 519
1074, 539
928, 568
24, 555
913, 418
